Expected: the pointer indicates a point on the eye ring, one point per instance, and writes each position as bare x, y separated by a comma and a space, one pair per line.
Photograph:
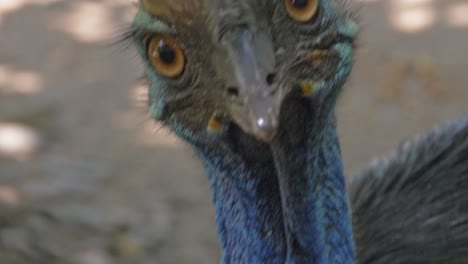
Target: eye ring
166, 56
302, 10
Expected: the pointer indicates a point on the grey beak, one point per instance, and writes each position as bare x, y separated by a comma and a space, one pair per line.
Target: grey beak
251, 86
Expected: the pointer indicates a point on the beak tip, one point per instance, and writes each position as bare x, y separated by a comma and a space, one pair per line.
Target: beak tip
265, 130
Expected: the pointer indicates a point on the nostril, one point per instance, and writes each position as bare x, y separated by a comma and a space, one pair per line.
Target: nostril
271, 78
233, 91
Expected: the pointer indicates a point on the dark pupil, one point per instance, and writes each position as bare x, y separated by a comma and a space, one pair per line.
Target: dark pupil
300, 3
166, 53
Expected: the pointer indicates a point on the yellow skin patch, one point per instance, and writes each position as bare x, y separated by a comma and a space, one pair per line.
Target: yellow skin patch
308, 88
214, 125
317, 55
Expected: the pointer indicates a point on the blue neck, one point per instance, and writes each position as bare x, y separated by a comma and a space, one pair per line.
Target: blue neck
247, 205
314, 201
284, 203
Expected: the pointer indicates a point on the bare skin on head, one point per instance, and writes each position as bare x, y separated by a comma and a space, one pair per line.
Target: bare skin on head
249, 64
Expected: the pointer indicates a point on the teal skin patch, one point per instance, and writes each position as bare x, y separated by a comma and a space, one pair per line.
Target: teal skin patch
349, 29
157, 110
344, 66
145, 20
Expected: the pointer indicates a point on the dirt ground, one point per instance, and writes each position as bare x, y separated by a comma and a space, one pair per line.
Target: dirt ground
86, 178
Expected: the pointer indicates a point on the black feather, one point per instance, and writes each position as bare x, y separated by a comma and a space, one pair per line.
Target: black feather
412, 207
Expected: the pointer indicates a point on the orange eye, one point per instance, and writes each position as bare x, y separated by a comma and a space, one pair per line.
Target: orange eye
166, 56
301, 10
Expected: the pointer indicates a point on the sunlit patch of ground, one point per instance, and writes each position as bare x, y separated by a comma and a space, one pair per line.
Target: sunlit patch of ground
20, 82
10, 6
412, 16
457, 15
10, 195
91, 21
87, 22
18, 141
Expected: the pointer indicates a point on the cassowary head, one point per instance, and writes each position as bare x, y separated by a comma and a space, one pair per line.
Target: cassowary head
213, 64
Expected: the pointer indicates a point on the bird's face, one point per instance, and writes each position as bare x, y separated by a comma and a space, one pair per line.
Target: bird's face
213, 64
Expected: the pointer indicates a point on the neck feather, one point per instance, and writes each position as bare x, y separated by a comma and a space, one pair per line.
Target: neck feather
314, 201
287, 204
247, 206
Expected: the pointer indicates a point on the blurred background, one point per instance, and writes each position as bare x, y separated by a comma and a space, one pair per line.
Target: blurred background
86, 177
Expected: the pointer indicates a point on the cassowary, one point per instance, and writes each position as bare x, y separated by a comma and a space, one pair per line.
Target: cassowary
252, 86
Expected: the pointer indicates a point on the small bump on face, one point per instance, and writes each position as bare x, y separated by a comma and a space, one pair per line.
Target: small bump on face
317, 55
308, 88
214, 125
